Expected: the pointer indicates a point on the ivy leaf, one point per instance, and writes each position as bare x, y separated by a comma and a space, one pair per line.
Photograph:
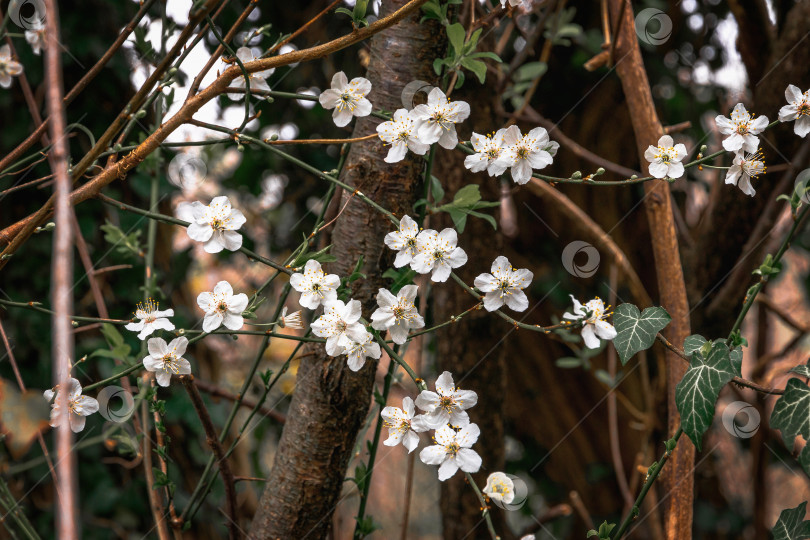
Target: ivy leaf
697, 392
692, 344
791, 414
791, 524
802, 370
636, 331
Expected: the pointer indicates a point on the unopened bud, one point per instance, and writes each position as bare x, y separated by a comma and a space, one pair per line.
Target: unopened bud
577, 175
140, 114
599, 171
274, 137
703, 148
240, 147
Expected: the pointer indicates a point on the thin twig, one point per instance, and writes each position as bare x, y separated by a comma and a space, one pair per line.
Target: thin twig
219, 454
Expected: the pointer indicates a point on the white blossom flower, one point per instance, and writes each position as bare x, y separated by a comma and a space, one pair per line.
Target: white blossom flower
8, 67
402, 426
293, 320
165, 360
78, 405
358, 350
798, 108
436, 120
447, 404
401, 134
665, 159
36, 37
215, 225
151, 319
438, 253
526, 152
488, 151
347, 98
452, 451
741, 128
745, 167
340, 326
257, 79
595, 326
403, 241
500, 488
315, 285
397, 314
503, 286
222, 307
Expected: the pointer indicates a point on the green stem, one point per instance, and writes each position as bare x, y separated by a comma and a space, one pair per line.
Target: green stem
398, 359
114, 378
651, 476
485, 512
752, 294
427, 180
36, 307
372, 454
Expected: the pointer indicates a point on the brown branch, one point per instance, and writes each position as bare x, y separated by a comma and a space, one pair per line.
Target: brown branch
302, 28
602, 240
214, 390
195, 85
532, 115
679, 474
81, 85
61, 280
155, 502
19, 232
219, 453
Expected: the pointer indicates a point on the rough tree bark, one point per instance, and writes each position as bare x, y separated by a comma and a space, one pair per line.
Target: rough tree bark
330, 401
679, 474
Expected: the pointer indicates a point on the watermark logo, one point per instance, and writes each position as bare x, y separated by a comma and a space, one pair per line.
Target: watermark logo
411, 90
653, 26
802, 185
115, 404
741, 419
187, 171
27, 14
506, 491
569, 256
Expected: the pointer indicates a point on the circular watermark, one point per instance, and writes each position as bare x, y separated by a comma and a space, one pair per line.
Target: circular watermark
801, 186
506, 491
411, 89
187, 171
113, 411
27, 14
731, 420
570, 253
653, 26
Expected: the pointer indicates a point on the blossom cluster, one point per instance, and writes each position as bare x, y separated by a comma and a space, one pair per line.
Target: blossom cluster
435, 122
445, 412
741, 131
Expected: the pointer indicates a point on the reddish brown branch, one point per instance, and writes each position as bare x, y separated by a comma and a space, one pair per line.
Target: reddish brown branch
219, 453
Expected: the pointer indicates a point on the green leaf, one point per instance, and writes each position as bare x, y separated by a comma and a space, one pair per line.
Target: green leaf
477, 67
456, 34
490, 55
697, 392
791, 414
112, 335
568, 362
636, 331
460, 78
693, 344
791, 524
467, 196
530, 71
125, 244
436, 189
802, 370
401, 276
736, 358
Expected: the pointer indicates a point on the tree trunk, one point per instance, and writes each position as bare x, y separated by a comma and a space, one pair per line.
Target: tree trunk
330, 401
